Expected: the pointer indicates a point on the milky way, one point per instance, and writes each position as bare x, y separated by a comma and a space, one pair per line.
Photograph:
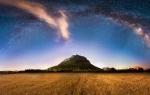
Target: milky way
136, 27
42, 33
123, 18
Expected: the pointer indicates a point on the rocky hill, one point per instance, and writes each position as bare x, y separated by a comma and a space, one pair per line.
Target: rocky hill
75, 63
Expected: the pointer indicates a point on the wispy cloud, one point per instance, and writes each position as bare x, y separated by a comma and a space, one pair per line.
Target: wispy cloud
40, 11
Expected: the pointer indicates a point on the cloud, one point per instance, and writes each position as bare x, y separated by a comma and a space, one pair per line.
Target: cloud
39, 11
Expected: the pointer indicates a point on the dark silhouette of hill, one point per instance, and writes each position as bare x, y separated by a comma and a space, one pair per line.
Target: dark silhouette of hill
148, 70
137, 68
75, 63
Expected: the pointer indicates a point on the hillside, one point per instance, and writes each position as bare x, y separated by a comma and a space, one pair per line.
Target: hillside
75, 63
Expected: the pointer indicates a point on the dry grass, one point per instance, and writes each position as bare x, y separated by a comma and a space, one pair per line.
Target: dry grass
75, 84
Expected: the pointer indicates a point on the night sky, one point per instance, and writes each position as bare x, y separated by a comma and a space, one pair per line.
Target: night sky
110, 33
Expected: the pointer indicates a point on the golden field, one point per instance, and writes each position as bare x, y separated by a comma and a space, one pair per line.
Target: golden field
75, 84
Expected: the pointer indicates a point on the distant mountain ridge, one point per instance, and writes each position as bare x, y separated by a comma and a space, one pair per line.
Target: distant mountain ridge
75, 63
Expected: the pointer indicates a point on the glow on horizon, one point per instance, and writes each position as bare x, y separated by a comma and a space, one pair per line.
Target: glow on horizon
50, 58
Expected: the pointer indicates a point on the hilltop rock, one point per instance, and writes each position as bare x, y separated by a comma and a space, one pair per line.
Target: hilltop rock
75, 63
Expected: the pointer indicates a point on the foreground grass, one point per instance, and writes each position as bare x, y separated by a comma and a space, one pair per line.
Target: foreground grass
75, 84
